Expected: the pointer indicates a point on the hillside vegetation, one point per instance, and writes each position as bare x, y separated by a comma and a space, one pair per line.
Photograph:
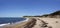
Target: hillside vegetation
51, 15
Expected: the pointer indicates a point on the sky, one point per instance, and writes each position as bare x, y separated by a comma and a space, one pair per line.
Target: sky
18, 8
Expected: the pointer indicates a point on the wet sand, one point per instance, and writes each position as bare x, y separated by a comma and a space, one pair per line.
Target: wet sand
27, 24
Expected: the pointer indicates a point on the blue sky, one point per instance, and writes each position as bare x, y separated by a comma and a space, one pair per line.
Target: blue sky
17, 8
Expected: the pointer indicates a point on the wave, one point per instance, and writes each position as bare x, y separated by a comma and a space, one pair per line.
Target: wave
21, 21
4, 24
14, 23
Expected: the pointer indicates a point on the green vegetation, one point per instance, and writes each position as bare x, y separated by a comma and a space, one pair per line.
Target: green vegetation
54, 14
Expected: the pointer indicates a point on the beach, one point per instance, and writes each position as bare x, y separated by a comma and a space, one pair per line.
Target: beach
21, 24
36, 22
47, 23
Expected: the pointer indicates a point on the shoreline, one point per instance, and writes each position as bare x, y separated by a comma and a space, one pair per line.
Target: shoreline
37, 23
1, 25
29, 23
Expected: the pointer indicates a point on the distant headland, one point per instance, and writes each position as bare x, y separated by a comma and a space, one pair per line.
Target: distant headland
55, 14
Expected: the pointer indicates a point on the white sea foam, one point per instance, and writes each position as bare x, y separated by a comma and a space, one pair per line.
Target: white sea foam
4, 24
22, 21
14, 23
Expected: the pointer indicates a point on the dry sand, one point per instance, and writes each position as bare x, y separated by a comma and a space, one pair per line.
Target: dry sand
47, 23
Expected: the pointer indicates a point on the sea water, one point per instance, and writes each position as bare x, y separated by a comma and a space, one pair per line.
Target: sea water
10, 20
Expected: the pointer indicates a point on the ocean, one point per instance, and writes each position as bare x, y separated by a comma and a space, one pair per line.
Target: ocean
10, 20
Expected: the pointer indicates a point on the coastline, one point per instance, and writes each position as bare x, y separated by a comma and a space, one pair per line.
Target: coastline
6, 24
20, 23
29, 23
36, 22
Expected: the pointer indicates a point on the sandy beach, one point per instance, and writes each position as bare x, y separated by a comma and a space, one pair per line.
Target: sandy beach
37, 22
47, 23
24, 24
